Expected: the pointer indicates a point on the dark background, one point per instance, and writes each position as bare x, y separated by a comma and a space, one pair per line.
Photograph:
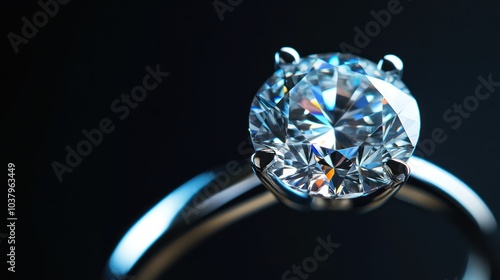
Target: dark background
65, 78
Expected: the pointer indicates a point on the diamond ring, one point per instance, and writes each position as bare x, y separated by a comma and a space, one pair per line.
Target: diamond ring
330, 131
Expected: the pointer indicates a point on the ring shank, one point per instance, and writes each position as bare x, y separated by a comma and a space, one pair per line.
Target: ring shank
200, 208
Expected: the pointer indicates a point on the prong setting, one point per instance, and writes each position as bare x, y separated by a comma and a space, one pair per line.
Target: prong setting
261, 160
391, 64
286, 55
398, 170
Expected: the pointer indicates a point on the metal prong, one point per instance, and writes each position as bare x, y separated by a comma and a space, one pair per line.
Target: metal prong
391, 64
261, 159
399, 171
286, 55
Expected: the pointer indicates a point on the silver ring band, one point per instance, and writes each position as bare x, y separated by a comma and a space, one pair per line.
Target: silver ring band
178, 226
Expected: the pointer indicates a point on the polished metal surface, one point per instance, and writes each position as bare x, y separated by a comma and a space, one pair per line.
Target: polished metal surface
261, 160
286, 55
392, 64
431, 188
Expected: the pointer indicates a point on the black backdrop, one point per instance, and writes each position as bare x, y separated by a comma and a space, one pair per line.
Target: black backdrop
65, 78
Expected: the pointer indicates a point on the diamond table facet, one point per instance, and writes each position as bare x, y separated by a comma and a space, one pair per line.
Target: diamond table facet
334, 120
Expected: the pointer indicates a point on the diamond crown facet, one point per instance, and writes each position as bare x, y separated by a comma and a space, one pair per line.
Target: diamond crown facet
334, 120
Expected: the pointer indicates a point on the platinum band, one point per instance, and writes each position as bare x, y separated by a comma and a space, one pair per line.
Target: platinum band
162, 236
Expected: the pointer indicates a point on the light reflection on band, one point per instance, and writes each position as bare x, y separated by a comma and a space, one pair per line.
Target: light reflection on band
159, 219
153, 225
456, 189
